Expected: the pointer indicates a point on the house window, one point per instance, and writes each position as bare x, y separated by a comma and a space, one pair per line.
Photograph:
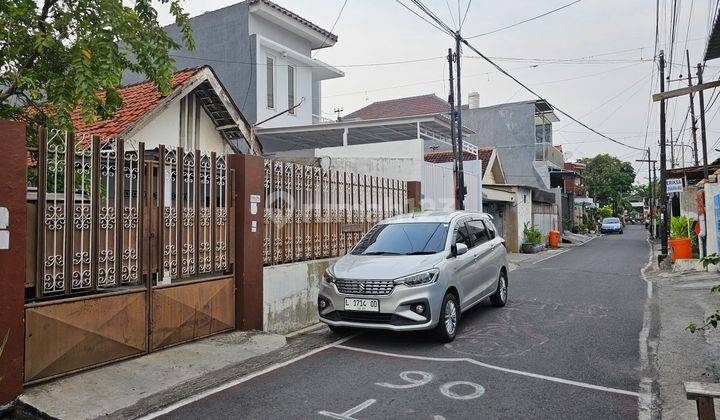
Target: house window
543, 133
270, 75
291, 89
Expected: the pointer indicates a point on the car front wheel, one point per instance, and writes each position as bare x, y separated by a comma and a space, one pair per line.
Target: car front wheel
449, 317
499, 298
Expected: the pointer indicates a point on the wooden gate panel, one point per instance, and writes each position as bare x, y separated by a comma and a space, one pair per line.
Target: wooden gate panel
69, 335
185, 312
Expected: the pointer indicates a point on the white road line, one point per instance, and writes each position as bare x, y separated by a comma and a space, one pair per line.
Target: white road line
238, 381
646, 398
488, 366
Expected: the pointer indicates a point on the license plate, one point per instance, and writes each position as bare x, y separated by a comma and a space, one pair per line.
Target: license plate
364, 305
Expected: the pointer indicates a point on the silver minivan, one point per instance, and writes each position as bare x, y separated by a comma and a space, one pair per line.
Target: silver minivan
416, 271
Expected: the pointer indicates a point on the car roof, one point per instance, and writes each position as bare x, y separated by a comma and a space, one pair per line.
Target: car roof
432, 216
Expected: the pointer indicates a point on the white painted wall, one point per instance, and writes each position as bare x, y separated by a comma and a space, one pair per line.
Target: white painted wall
303, 85
396, 160
523, 200
290, 294
165, 129
711, 190
438, 186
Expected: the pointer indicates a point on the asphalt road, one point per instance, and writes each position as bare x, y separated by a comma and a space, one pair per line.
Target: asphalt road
565, 346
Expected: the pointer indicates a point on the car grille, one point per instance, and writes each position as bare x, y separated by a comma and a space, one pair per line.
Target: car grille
352, 316
365, 287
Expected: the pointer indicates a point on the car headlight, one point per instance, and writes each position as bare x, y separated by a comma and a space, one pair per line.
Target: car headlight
419, 279
328, 277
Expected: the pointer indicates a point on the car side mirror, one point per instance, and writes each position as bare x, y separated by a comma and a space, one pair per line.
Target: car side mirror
459, 249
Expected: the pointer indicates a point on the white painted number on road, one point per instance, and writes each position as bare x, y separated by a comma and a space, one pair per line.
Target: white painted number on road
412, 382
447, 390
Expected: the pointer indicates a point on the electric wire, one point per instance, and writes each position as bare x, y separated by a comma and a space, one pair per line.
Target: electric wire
332, 28
524, 21
563, 112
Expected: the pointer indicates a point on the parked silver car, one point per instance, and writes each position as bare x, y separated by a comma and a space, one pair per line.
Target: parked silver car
415, 272
611, 225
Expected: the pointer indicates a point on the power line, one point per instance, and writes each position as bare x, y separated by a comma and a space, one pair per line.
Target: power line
420, 16
433, 16
332, 28
524, 21
540, 97
386, 63
447, 2
467, 9
476, 75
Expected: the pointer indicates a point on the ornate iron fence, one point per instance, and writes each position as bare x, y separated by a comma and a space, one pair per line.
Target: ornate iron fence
112, 214
313, 213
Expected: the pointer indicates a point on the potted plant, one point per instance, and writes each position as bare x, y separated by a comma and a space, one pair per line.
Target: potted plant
681, 236
533, 240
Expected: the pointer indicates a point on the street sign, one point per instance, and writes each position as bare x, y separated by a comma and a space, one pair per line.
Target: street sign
674, 185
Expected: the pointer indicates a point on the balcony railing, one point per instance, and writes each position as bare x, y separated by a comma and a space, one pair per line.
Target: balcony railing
548, 152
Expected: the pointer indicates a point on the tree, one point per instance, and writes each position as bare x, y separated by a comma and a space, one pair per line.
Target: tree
56, 55
609, 179
605, 211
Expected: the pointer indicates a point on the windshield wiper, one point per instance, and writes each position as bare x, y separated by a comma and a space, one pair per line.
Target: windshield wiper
381, 253
422, 253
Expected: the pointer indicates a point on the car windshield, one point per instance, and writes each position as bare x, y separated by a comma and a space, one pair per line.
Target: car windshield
403, 239
609, 220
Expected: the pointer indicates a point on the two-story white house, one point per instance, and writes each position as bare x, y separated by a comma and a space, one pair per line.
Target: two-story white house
262, 53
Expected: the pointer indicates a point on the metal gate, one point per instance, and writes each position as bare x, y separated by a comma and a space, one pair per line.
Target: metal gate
132, 248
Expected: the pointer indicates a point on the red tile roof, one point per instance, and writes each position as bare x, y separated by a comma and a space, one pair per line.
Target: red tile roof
297, 17
403, 107
138, 100
446, 156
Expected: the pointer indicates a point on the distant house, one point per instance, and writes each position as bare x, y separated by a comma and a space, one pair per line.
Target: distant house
401, 107
197, 114
492, 169
522, 133
263, 54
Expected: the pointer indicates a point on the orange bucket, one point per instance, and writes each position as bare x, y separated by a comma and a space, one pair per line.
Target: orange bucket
682, 248
554, 238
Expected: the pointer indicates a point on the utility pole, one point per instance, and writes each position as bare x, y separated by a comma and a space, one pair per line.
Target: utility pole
692, 110
654, 199
651, 190
672, 149
702, 123
458, 110
451, 101
663, 166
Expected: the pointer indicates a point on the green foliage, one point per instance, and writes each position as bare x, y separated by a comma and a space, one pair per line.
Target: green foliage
532, 234
608, 178
60, 53
713, 373
567, 223
711, 321
681, 227
605, 211
707, 260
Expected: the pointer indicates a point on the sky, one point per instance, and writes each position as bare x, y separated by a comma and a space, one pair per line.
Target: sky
603, 80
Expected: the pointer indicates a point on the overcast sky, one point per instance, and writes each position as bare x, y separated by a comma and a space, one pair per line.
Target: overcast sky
609, 91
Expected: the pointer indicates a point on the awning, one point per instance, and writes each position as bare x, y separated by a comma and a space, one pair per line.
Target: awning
433, 128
